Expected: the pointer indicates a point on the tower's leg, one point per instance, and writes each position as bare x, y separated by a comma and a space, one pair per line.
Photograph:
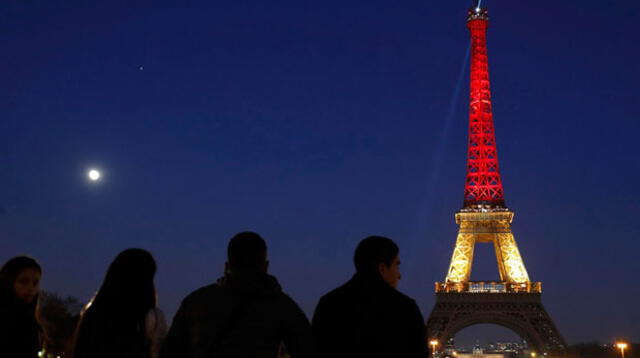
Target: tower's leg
500, 259
462, 259
509, 259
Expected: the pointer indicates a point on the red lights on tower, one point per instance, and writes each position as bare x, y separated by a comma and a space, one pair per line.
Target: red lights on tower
483, 187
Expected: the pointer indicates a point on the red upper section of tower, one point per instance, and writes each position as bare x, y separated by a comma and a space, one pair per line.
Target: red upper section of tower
483, 186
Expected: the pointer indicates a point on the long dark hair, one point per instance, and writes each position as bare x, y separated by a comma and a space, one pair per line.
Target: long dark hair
112, 324
25, 338
8, 275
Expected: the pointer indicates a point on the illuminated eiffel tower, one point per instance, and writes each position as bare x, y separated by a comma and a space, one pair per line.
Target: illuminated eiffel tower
514, 301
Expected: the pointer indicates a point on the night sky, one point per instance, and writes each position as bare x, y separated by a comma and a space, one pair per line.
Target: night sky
315, 124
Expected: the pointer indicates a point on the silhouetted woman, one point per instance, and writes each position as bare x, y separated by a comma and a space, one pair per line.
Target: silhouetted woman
20, 332
122, 319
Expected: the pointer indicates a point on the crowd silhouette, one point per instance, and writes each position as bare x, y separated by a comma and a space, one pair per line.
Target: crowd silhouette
245, 313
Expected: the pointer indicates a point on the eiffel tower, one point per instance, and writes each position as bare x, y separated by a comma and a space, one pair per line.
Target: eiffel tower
513, 302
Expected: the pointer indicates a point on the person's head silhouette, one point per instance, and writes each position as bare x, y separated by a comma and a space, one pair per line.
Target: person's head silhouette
377, 255
247, 251
19, 281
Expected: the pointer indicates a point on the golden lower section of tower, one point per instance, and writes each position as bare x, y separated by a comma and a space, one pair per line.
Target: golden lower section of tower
490, 227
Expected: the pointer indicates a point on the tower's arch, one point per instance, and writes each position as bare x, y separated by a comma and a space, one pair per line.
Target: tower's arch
522, 313
500, 320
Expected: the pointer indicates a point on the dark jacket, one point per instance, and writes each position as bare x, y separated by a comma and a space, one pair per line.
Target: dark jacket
19, 331
244, 314
103, 334
366, 317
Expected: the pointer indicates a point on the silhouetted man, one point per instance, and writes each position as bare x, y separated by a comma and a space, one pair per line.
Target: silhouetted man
367, 316
243, 314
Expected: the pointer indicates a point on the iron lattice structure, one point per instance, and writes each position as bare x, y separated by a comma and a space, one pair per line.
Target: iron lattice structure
523, 313
490, 227
514, 301
483, 185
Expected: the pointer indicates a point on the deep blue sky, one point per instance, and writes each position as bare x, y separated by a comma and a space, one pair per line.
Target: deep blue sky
316, 123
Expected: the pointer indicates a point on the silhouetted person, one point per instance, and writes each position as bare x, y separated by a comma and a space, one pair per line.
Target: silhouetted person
367, 316
20, 332
122, 319
244, 314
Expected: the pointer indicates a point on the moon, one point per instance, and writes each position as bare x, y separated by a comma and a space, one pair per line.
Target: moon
94, 174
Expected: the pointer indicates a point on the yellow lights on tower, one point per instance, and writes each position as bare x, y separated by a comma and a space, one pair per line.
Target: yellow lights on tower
460, 267
487, 227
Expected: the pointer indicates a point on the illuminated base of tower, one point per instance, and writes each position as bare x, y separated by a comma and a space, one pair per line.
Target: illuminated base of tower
486, 225
513, 301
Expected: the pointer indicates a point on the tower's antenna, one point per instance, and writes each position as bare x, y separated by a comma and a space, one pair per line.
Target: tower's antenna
479, 5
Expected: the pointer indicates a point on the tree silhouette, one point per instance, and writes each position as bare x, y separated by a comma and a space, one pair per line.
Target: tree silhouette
59, 317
